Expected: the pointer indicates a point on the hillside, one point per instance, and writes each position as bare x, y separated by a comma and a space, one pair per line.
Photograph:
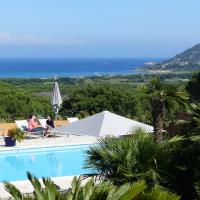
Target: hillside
187, 60
16, 103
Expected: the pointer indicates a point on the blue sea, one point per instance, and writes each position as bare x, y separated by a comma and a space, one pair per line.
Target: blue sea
45, 68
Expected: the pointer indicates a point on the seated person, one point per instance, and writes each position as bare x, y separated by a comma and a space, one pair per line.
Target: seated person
33, 125
49, 125
50, 122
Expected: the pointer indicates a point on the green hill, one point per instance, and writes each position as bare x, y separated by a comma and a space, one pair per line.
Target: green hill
187, 60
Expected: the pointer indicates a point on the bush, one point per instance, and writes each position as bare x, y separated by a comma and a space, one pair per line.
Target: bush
17, 134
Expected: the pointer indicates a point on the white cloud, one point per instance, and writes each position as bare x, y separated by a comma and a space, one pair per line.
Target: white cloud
7, 38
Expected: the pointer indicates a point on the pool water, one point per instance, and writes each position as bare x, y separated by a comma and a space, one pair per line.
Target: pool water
43, 162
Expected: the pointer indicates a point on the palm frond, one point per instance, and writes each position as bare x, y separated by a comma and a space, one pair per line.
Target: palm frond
192, 123
128, 159
176, 139
160, 193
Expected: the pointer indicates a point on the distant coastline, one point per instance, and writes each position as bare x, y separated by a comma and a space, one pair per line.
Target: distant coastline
73, 67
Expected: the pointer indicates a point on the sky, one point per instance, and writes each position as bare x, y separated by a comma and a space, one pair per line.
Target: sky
98, 28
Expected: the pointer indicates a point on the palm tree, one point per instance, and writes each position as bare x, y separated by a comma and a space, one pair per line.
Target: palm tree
130, 159
192, 124
162, 97
91, 191
139, 156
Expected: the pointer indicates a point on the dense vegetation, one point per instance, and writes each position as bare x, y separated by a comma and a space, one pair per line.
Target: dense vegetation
135, 103
16, 103
193, 87
92, 99
173, 164
133, 80
122, 95
141, 165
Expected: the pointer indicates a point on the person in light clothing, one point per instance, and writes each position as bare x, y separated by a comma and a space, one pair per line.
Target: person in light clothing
33, 125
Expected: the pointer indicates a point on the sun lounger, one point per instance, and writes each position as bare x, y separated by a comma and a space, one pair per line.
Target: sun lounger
43, 122
72, 119
2, 133
23, 125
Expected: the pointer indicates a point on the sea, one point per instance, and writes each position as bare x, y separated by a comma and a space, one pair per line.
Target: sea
71, 67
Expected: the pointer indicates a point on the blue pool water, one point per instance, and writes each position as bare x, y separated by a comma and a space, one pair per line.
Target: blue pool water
43, 162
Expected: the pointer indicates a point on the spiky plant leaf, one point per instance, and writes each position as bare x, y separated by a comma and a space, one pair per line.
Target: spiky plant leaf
10, 188
50, 191
36, 185
130, 192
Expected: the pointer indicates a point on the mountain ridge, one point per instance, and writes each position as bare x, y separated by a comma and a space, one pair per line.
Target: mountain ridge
187, 60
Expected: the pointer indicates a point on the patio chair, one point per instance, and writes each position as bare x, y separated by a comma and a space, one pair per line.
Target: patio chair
23, 125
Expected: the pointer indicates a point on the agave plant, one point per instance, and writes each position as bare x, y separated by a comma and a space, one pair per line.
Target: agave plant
49, 193
91, 191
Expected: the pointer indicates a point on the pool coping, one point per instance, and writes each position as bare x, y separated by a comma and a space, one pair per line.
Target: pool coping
17, 149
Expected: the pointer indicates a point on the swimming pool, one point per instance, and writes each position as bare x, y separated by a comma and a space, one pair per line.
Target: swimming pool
43, 162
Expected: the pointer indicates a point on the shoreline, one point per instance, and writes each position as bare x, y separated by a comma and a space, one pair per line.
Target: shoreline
140, 72
73, 68
88, 75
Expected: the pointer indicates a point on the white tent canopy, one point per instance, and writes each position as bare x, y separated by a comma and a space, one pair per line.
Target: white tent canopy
102, 124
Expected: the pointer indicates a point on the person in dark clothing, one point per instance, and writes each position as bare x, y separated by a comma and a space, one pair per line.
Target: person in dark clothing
49, 125
50, 122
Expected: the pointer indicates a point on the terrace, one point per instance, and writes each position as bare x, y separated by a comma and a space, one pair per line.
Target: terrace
63, 181
65, 158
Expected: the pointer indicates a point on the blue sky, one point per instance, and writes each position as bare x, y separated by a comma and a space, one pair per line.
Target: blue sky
93, 28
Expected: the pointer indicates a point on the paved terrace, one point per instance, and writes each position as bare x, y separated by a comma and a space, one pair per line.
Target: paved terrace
50, 141
63, 182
